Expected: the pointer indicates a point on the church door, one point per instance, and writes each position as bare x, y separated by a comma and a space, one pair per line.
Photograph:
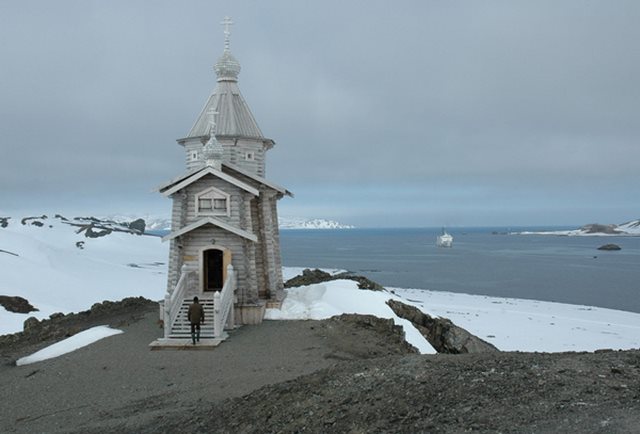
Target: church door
213, 270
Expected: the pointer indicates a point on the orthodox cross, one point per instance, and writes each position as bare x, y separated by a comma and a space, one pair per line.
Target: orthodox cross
212, 121
226, 22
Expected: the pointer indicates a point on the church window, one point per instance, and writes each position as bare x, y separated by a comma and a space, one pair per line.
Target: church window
194, 155
249, 156
204, 205
220, 204
212, 202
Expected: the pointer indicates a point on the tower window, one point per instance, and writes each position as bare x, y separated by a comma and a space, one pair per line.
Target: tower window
249, 156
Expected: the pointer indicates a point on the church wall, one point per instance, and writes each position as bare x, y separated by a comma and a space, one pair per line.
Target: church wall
193, 148
276, 243
260, 263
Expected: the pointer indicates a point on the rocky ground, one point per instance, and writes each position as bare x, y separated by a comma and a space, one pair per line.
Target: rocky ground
347, 374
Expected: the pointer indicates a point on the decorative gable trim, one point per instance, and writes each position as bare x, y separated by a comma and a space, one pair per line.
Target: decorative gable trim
169, 189
212, 221
258, 179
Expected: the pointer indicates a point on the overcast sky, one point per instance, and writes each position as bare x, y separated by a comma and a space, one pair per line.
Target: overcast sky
403, 113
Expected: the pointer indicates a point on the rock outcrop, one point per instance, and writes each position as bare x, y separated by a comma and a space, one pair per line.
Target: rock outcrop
610, 247
596, 228
443, 335
16, 304
311, 277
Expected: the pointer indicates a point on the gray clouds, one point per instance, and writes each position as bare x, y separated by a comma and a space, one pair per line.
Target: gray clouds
453, 112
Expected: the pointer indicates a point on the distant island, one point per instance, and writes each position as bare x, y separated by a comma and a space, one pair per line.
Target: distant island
630, 228
300, 223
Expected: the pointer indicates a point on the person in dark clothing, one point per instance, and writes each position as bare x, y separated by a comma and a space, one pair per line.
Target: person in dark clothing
195, 317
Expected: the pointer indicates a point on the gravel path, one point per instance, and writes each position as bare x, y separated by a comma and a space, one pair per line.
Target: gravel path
119, 384
348, 374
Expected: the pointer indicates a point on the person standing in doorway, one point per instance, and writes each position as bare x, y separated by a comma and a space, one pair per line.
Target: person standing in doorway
195, 317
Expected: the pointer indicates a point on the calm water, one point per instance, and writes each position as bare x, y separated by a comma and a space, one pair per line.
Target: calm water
551, 268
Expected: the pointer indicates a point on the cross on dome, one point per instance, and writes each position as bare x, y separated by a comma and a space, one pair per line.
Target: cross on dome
227, 67
226, 22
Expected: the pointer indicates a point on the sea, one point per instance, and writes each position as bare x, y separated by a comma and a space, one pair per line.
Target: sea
482, 261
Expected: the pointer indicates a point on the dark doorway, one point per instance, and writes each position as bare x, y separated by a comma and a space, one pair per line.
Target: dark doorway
213, 273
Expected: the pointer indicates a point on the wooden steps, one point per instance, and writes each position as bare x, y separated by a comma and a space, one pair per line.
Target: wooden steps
181, 328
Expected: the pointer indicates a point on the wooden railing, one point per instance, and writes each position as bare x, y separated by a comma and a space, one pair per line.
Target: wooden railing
172, 302
223, 304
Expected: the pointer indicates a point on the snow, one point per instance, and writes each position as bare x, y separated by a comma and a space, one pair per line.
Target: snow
336, 297
530, 325
68, 345
56, 276
509, 324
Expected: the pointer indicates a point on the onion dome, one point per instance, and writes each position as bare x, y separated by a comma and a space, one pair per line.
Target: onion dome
227, 67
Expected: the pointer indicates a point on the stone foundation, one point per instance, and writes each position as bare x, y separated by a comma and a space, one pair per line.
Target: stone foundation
249, 314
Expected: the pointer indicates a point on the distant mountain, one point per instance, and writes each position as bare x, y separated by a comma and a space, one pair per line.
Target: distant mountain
630, 228
300, 223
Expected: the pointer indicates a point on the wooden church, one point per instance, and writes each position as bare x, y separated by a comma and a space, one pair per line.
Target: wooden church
224, 240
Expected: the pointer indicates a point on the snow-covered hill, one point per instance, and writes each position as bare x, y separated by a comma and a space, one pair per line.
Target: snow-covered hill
630, 228
300, 223
58, 265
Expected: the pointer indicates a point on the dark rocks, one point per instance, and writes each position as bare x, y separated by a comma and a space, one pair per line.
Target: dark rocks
89, 232
59, 326
308, 277
35, 221
16, 304
138, 226
389, 337
363, 282
610, 247
595, 228
311, 277
80, 244
442, 334
4, 222
30, 324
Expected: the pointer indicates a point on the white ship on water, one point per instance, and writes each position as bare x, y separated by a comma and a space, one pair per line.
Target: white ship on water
445, 239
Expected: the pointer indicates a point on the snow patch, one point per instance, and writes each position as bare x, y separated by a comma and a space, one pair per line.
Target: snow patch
79, 340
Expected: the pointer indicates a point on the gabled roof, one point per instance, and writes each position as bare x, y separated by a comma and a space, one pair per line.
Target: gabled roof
192, 176
234, 118
257, 178
211, 221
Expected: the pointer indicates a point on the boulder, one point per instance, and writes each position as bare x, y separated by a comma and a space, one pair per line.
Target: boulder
610, 247
443, 335
16, 304
31, 324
